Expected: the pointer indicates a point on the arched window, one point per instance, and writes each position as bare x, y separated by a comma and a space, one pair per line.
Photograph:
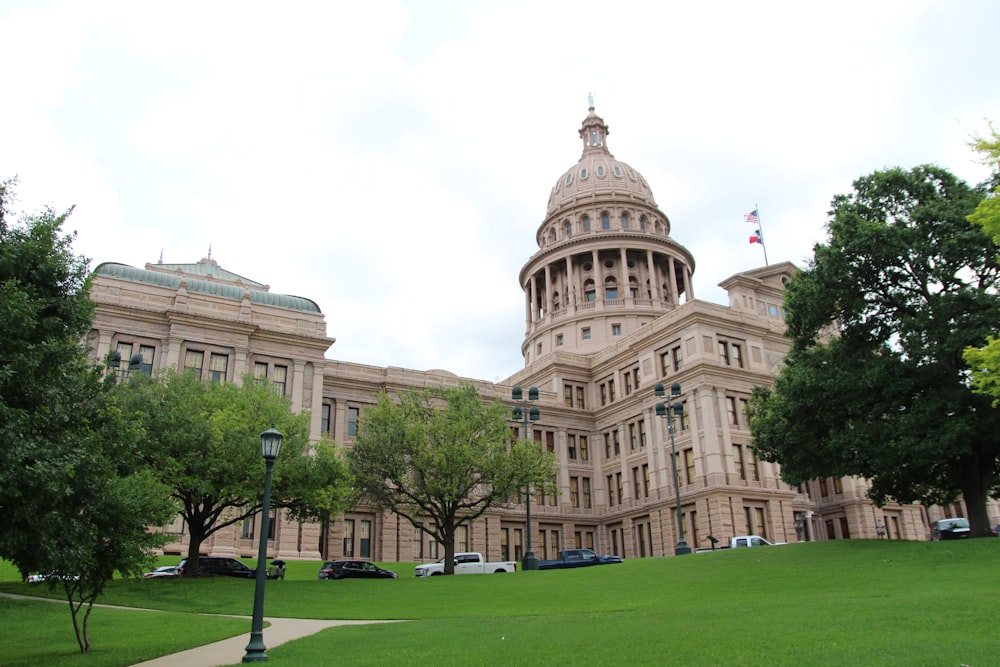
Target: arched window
624, 220
569, 229
642, 223
633, 287
555, 301
605, 220
585, 223
610, 288
589, 293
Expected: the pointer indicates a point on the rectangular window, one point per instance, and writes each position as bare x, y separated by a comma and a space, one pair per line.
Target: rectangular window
584, 449
678, 358
146, 353
611, 491
505, 544
604, 394
731, 410
838, 485
194, 362
618, 485
607, 445
611, 391
325, 424
618, 446
559, 340
616, 329
664, 363
260, 371
365, 550
845, 532
685, 417
574, 491
272, 524
571, 447
585, 333
636, 485
752, 463
568, 395
628, 383
218, 367
689, 465
248, 527
579, 398
280, 380
352, 420
462, 538
645, 480
642, 433
738, 461
737, 355
550, 441
724, 352
631, 437
586, 492
635, 374
348, 549
824, 490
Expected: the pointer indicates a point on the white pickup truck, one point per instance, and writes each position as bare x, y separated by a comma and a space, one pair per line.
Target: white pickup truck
751, 541
466, 563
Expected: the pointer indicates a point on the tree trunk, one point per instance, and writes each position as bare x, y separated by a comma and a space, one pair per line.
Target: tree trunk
975, 492
196, 531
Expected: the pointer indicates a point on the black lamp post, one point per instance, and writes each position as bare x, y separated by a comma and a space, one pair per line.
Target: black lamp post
523, 413
270, 445
664, 410
115, 363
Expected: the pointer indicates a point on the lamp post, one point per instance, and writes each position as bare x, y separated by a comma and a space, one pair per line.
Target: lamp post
270, 445
664, 410
523, 413
115, 364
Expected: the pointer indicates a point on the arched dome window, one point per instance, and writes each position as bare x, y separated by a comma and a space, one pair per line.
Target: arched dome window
633, 287
585, 224
552, 235
600, 170
605, 220
555, 301
624, 220
610, 288
589, 292
568, 227
642, 223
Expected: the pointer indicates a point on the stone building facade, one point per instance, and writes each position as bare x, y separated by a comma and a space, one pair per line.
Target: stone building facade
609, 312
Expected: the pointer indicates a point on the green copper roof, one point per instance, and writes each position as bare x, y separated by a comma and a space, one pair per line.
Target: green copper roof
229, 291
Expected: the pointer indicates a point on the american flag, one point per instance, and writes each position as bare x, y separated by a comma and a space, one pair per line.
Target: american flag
752, 218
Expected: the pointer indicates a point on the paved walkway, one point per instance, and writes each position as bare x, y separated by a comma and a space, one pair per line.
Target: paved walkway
228, 651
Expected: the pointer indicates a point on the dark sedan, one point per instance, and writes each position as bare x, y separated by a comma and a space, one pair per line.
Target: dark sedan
353, 569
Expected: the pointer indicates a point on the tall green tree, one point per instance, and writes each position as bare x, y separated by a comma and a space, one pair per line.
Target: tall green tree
202, 440
875, 384
442, 457
984, 362
74, 504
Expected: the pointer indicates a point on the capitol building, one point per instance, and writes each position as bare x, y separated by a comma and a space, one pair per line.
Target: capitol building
609, 313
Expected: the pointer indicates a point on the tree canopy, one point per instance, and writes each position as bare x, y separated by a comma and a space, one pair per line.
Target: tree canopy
874, 384
442, 457
74, 496
202, 440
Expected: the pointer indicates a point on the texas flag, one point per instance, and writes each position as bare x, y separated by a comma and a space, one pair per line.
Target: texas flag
756, 238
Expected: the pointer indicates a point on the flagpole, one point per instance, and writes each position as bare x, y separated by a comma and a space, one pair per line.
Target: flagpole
760, 226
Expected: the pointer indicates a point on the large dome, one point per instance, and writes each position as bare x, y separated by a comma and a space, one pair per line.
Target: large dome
598, 173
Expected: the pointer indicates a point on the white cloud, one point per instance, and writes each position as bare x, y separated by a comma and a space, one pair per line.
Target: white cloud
392, 160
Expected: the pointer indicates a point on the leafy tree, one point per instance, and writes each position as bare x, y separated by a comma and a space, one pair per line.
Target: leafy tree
73, 496
442, 454
202, 439
874, 384
984, 362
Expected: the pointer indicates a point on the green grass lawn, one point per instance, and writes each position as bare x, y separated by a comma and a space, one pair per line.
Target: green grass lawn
848, 602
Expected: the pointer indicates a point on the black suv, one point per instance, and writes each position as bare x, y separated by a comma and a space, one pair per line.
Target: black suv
227, 567
950, 529
353, 569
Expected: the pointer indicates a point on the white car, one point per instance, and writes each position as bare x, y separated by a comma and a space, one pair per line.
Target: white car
164, 571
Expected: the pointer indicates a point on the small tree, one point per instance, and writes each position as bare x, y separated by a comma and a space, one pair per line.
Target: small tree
202, 440
443, 455
75, 501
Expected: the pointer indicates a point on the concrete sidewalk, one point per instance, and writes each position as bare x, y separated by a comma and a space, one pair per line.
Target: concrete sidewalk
227, 651
230, 651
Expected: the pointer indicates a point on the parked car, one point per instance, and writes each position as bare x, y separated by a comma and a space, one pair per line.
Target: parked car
569, 558
468, 562
950, 529
353, 569
226, 567
165, 571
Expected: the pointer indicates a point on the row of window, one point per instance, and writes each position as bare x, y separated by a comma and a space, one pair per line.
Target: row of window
327, 421
138, 358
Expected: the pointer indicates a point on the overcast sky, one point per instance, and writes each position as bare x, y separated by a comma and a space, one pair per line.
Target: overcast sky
392, 160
